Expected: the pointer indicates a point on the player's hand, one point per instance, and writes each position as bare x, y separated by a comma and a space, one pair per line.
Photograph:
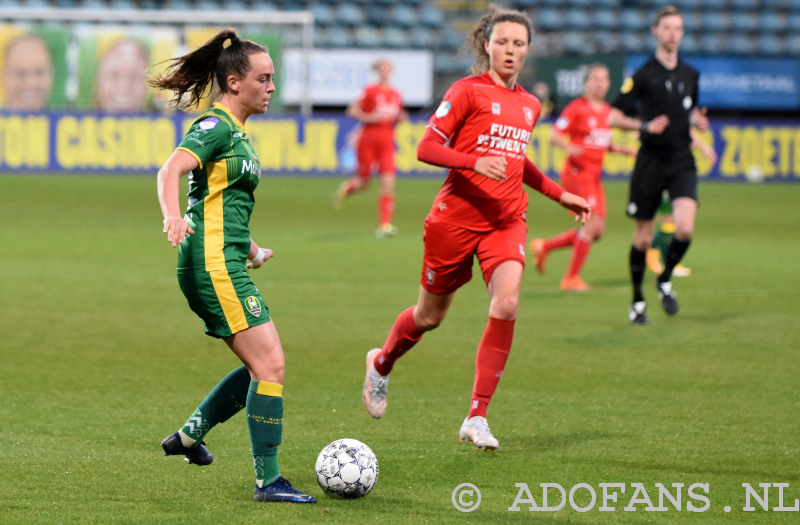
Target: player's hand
176, 229
627, 150
492, 167
711, 155
658, 125
699, 119
255, 264
578, 205
574, 150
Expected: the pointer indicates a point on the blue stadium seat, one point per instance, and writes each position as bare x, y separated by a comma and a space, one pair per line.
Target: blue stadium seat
794, 5
690, 45
403, 16
368, 37
323, 14
793, 44
743, 22
410, 2
119, 4
207, 5
99, 4
772, 4
11, 3
713, 21
606, 5
606, 42
549, 20
577, 43
449, 64
770, 45
685, 5
743, 5
633, 42
429, 16
581, 4
264, 6
771, 22
449, 40
714, 5
711, 43
235, 5
62, 4
321, 38
632, 20
37, 4
395, 38
691, 22
739, 44
577, 20
605, 19
523, 4
146, 4
655, 4
377, 15
339, 38
421, 38
794, 22
349, 15
549, 3
177, 5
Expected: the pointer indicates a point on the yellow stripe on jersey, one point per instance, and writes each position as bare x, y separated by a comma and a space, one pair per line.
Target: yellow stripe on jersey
266, 388
229, 301
192, 153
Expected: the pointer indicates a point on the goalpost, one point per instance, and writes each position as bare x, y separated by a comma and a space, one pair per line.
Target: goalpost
304, 19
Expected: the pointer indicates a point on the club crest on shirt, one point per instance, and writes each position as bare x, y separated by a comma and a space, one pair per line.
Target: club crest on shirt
495, 108
430, 276
528, 116
592, 122
253, 305
444, 109
208, 123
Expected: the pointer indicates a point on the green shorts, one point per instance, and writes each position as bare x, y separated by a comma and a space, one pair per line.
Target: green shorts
226, 302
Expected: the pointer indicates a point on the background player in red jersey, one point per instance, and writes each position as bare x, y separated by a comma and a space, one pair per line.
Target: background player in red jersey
585, 120
379, 109
480, 211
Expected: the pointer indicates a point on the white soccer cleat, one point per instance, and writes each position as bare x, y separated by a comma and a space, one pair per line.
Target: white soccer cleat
475, 430
374, 393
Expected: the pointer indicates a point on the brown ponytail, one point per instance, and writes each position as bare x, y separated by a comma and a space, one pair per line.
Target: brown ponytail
193, 73
484, 30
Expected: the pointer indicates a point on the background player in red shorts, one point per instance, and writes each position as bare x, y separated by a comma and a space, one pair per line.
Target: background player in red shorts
379, 109
480, 210
585, 120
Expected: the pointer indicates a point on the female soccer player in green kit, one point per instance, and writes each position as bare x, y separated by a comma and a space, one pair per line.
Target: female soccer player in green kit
214, 244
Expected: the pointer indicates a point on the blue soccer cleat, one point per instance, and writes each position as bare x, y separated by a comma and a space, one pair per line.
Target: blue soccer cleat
198, 455
282, 490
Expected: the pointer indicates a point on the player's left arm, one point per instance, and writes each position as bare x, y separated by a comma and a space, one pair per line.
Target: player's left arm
703, 146
356, 111
624, 150
536, 179
177, 165
697, 117
256, 257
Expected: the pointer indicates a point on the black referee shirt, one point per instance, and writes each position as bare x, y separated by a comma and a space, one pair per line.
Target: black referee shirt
655, 90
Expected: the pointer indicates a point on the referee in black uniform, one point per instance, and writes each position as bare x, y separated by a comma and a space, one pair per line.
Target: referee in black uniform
662, 95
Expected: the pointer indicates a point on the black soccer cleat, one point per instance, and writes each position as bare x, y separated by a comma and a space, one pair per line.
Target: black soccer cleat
638, 313
667, 296
282, 491
197, 455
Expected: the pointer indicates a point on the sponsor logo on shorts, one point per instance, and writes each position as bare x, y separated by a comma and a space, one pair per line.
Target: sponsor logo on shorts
208, 123
495, 108
444, 109
253, 306
632, 208
430, 276
521, 252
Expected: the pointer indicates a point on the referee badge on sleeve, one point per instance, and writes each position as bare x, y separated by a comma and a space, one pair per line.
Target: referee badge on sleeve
627, 85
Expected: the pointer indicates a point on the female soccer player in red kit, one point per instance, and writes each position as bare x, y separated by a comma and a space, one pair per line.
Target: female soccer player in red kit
585, 120
480, 210
379, 109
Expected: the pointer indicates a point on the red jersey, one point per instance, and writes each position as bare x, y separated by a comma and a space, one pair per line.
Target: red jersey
589, 129
482, 118
384, 101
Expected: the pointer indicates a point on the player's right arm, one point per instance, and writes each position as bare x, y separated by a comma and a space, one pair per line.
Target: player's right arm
626, 104
178, 164
561, 128
356, 111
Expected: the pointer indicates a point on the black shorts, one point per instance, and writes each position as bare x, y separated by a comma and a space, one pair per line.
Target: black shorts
656, 171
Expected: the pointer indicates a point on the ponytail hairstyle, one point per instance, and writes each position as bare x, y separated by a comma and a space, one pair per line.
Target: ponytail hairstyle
484, 30
194, 73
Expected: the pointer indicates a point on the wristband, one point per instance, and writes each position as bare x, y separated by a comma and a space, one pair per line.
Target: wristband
259, 258
643, 126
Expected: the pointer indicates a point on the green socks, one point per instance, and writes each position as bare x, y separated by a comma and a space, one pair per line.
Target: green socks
663, 237
227, 398
265, 422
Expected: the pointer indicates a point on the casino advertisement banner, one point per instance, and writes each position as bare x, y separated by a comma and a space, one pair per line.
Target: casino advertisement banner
70, 142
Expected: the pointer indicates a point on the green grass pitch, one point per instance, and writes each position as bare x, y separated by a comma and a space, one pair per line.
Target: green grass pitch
100, 358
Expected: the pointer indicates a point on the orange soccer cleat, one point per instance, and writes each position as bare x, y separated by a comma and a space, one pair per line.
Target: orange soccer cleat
653, 259
574, 284
539, 254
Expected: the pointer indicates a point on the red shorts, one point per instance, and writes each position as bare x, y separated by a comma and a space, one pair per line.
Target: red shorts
449, 251
373, 151
589, 187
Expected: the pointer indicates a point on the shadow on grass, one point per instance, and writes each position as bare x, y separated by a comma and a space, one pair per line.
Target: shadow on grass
562, 440
788, 475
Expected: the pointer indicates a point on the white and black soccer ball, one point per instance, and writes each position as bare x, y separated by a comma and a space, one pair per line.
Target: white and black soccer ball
347, 468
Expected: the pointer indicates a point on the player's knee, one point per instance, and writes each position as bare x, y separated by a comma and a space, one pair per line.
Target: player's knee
427, 321
683, 234
504, 308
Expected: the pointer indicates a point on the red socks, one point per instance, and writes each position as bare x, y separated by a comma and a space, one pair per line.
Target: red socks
385, 208
561, 241
490, 362
580, 250
402, 338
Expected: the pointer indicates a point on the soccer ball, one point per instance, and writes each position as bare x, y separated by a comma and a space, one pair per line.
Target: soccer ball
347, 468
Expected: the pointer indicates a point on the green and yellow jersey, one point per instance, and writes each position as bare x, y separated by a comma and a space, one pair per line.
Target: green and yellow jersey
220, 193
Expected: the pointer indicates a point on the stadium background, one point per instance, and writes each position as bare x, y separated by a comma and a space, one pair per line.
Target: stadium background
96, 116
